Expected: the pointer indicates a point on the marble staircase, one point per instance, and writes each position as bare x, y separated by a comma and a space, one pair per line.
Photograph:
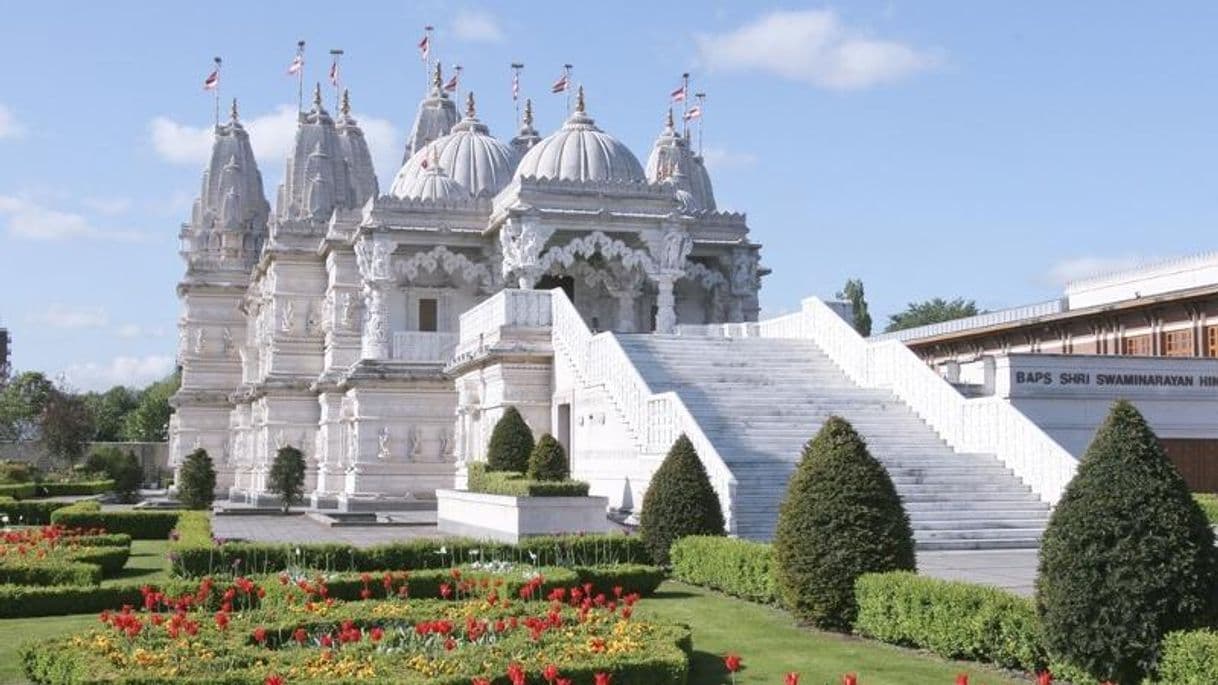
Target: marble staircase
758, 400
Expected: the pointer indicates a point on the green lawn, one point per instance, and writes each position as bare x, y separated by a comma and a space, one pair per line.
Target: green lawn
767, 639
147, 563
771, 645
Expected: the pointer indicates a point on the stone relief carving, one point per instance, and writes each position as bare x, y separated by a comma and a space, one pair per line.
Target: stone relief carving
451, 263
415, 443
376, 321
373, 258
288, 317
226, 341
383, 444
522, 242
312, 321
201, 342
446, 442
346, 315
745, 280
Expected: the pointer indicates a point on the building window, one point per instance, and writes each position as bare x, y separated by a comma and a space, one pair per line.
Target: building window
1137, 346
427, 314
1211, 341
1178, 343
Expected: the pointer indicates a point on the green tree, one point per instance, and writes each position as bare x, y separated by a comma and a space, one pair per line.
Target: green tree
109, 410
149, 422
931, 311
22, 402
548, 460
1127, 557
511, 443
680, 501
287, 476
841, 518
128, 475
854, 294
197, 481
66, 426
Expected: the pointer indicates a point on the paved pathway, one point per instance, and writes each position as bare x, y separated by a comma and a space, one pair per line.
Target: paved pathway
1013, 570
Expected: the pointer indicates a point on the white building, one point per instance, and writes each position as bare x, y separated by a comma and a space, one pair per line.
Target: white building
327, 324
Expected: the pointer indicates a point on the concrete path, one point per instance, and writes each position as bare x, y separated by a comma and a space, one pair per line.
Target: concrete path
1013, 570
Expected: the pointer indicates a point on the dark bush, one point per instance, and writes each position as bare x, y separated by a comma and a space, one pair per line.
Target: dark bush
680, 501
511, 443
1127, 558
740, 568
841, 518
197, 488
548, 460
17, 472
287, 476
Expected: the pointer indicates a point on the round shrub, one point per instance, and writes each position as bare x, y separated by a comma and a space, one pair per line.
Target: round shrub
197, 486
127, 475
511, 443
1127, 557
287, 476
841, 518
680, 501
548, 460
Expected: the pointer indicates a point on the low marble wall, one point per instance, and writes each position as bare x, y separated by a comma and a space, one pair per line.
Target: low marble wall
509, 519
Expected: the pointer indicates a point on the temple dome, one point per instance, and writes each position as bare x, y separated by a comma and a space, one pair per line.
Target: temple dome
433, 185
580, 151
473, 158
671, 156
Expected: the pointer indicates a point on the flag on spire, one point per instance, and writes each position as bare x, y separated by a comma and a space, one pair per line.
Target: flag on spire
453, 82
425, 46
296, 65
213, 79
694, 112
561, 85
515, 85
334, 72
679, 94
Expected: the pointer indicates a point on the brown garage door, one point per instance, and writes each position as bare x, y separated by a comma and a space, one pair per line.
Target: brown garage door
1197, 461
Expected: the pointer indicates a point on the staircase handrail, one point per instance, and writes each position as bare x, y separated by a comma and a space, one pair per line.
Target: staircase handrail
656, 419
985, 424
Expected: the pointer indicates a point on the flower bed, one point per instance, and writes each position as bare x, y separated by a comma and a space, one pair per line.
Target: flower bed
53, 555
296, 631
141, 525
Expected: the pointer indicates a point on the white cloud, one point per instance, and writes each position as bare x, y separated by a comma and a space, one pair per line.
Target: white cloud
107, 205
718, 159
271, 137
27, 219
9, 126
129, 371
815, 47
131, 330
1077, 268
477, 26
66, 316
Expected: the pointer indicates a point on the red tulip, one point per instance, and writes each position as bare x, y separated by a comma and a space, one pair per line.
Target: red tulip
850, 679
260, 635
300, 635
273, 679
480, 681
550, 673
1044, 678
602, 679
516, 674
563, 681
792, 679
962, 679
732, 661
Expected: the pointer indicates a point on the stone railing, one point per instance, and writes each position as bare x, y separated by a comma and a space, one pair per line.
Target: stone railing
655, 420
424, 346
480, 325
990, 425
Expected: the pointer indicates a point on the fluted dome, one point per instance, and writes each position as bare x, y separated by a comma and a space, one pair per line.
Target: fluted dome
433, 185
580, 151
470, 155
671, 156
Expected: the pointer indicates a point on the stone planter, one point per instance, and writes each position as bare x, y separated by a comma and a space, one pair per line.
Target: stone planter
509, 519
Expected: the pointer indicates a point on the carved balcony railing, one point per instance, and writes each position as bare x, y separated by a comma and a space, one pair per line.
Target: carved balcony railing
430, 347
480, 326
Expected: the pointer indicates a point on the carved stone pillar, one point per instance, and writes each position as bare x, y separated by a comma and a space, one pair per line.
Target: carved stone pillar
666, 304
375, 343
625, 310
521, 241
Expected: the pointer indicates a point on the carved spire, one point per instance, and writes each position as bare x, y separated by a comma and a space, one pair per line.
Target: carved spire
579, 100
528, 112
345, 106
435, 158
317, 98
669, 125
437, 80
232, 112
469, 105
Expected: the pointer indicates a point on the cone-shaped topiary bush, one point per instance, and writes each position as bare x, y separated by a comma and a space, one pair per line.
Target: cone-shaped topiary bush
197, 486
841, 518
1127, 557
548, 461
511, 443
680, 501
287, 476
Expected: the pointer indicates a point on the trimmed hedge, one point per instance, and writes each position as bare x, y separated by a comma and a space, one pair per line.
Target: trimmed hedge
511, 443
638, 578
18, 490
109, 558
89, 487
14, 572
1208, 502
29, 512
513, 484
954, 620
139, 524
548, 461
740, 568
679, 501
21, 601
1189, 656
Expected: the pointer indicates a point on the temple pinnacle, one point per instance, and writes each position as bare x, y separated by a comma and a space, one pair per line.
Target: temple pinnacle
437, 80
469, 105
668, 122
317, 98
232, 112
579, 100
528, 112
345, 106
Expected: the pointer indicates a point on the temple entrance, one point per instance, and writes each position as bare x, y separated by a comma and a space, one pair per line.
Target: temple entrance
550, 282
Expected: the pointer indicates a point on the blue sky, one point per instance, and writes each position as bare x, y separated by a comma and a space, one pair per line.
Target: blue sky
987, 150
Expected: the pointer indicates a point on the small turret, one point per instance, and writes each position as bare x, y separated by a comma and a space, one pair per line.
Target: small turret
672, 161
528, 136
317, 180
355, 153
436, 117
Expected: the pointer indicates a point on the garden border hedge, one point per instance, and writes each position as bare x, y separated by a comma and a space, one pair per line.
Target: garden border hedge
87, 487
515, 484
17, 490
1189, 656
139, 524
29, 512
741, 568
